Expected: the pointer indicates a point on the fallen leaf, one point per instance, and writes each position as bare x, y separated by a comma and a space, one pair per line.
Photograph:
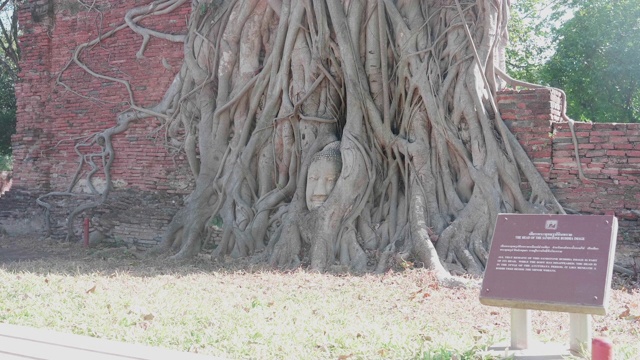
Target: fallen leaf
91, 290
630, 313
625, 313
414, 294
406, 264
46, 280
482, 329
143, 312
344, 357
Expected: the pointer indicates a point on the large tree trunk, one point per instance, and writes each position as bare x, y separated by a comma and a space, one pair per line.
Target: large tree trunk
407, 87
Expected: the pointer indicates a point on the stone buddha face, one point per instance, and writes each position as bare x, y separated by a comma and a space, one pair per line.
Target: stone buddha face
322, 175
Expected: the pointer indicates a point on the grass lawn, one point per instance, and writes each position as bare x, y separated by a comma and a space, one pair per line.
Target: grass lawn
241, 312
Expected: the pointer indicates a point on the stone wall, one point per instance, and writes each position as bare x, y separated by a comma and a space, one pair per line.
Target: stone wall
152, 179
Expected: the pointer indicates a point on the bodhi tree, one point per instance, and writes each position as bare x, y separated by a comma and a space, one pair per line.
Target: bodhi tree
358, 133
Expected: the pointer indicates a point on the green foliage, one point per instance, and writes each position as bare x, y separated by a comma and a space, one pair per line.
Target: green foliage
7, 114
524, 55
9, 55
6, 163
597, 61
531, 26
9, 49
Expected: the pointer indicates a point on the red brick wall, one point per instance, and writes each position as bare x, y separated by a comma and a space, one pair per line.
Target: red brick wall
51, 118
610, 161
609, 157
529, 114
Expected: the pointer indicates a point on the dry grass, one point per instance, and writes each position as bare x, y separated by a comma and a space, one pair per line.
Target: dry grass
243, 312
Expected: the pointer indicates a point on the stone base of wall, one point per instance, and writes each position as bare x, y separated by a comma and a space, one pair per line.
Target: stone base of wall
136, 217
19, 213
130, 217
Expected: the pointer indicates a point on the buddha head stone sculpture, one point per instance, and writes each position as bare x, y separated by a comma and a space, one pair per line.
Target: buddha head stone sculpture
322, 175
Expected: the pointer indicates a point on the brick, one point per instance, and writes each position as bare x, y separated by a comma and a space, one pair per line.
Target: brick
608, 133
562, 160
618, 139
597, 139
610, 171
594, 153
616, 153
623, 146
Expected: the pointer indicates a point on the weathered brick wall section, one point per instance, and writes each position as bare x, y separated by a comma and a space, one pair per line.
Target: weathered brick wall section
530, 115
32, 92
52, 119
610, 160
144, 224
609, 157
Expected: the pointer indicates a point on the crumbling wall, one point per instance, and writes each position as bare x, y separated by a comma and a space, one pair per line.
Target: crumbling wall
60, 104
530, 114
609, 158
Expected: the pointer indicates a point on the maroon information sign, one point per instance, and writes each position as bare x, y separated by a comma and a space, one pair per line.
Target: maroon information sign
551, 262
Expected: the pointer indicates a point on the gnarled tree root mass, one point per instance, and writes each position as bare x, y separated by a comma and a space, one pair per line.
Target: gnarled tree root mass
407, 87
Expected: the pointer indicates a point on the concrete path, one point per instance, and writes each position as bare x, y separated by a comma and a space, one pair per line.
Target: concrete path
19, 343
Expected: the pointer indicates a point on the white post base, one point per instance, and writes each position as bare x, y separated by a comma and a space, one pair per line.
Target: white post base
580, 333
520, 329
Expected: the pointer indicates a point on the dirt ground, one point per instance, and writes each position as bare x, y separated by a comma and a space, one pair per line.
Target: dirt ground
33, 247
